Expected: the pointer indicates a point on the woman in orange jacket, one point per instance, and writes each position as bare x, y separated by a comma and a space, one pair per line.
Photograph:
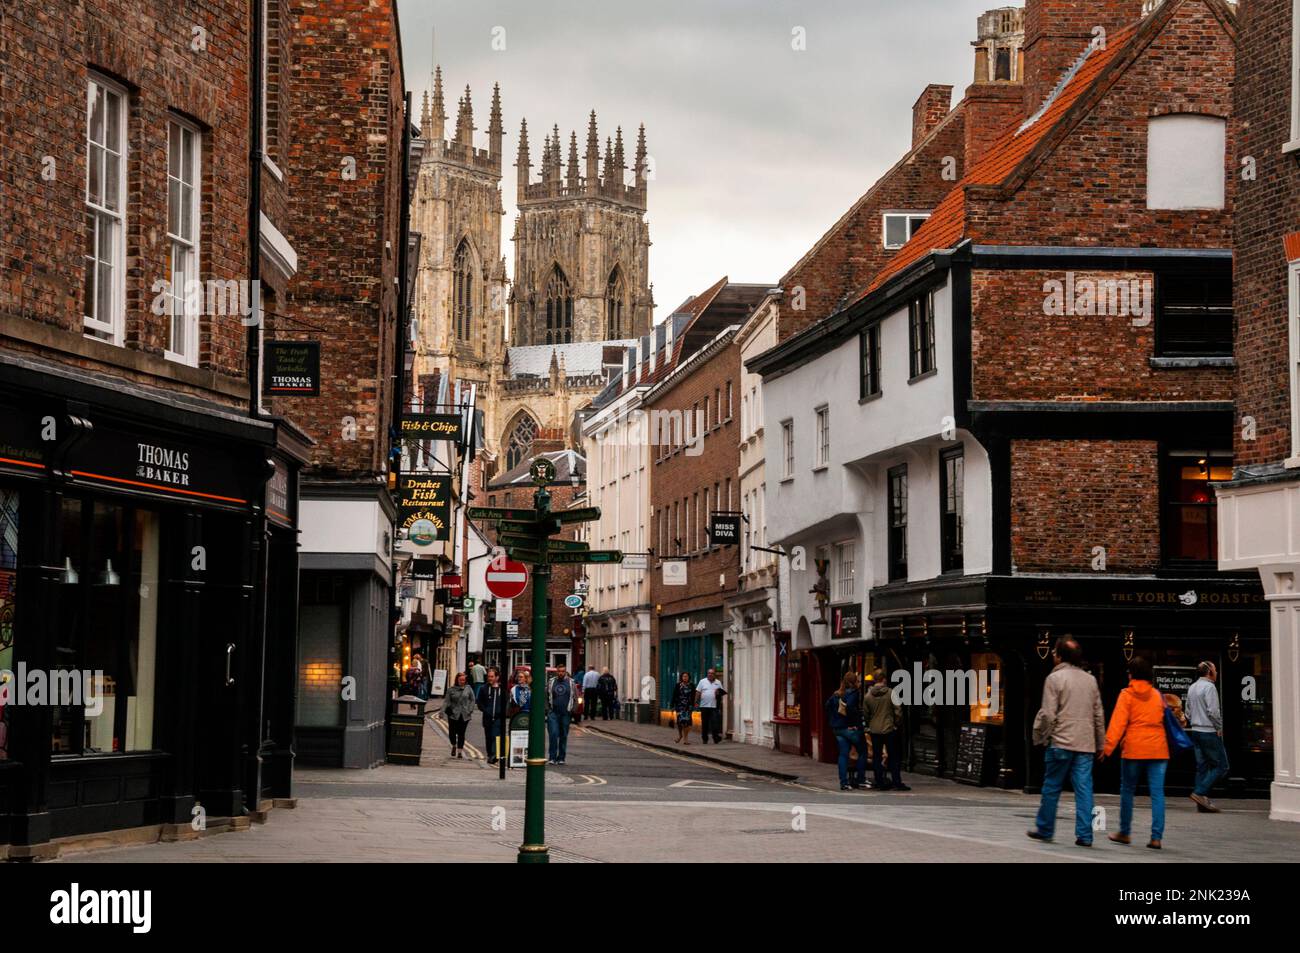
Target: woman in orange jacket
1138, 725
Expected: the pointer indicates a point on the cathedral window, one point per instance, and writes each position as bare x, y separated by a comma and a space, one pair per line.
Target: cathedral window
520, 444
559, 309
462, 292
615, 295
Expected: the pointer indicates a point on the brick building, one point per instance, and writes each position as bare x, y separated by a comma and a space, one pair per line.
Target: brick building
1011, 434
1259, 520
692, 407
335, 119
148, 509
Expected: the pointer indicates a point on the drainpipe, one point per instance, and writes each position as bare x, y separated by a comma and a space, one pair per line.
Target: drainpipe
256, 93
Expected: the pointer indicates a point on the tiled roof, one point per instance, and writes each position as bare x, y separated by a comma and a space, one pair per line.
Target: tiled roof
947, 226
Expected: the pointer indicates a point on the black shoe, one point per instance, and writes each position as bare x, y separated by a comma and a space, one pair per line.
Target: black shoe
901, 787
845, 787
1080, 842
1038, 835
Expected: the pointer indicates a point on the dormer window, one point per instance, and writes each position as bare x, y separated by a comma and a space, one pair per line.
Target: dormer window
899, 227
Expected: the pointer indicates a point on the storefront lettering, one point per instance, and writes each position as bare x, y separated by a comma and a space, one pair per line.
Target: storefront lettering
162, 465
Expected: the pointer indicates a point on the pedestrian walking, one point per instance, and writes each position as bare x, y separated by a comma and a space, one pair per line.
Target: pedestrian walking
683, 703
844, 709
1137, 727
561, 700
608, 686
477, 676
590, 692
458, 707
521, 693
1205, 728
884, 719
709, 693
1072, 725
492, 703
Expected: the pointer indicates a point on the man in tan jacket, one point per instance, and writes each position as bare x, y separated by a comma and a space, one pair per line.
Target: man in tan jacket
1073, 727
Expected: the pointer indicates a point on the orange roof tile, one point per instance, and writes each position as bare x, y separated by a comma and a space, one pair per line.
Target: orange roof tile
947, 225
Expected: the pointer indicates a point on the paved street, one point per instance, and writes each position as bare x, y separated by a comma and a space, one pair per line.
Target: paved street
618, 800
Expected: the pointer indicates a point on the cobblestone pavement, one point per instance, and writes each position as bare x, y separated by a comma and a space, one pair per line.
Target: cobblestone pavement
619, 800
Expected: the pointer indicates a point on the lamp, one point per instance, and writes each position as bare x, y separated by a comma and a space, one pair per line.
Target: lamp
108, 577
70, 577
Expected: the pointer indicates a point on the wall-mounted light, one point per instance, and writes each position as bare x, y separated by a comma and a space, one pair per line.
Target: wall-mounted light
108, 577
70, 577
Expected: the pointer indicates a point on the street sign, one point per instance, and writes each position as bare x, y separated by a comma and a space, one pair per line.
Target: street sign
591, 556
573, 602
530, 557
467, 603
500, 513
582, 515
567, 546
505, 608
508, 581
512, 628
530, 528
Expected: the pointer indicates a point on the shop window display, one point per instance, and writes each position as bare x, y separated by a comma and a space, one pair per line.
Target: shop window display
8, 597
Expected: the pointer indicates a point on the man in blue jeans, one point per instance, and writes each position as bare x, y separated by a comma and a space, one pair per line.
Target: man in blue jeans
561, 700
1073, 727
1205, 728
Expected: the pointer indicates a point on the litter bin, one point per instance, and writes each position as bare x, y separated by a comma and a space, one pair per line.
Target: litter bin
405, 729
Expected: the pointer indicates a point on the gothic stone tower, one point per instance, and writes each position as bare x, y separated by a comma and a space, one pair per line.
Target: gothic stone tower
582, 244
461, 281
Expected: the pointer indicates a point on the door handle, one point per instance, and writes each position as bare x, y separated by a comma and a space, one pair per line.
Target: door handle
230, 651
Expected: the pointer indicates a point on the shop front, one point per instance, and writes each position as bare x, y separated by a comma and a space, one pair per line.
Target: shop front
133, 584
689, 642
752, 667
620, 641
1004, 628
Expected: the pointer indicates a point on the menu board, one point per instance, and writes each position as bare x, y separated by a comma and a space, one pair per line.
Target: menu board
972, 747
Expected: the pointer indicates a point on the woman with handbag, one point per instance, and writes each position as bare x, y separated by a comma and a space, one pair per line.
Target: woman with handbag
846, 719
1138, 725
458, 707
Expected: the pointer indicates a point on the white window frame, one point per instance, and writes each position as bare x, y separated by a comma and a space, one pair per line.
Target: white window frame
112, 328
1293, 333
190, 306
1294, 144
787, 450
839, 582
907, 216
823, 454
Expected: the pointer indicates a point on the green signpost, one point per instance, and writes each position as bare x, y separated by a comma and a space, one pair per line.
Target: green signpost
526, 537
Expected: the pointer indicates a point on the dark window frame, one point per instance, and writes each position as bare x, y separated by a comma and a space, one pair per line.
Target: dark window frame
1185, 299
869, 362
1170, 455
952, 522
922, 358
896, 487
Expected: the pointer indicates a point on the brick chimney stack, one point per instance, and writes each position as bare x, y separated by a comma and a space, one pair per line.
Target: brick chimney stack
929, 111
1058, 31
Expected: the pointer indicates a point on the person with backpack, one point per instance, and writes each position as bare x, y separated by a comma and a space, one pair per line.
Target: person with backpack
608, 686
1137, 726
844, 709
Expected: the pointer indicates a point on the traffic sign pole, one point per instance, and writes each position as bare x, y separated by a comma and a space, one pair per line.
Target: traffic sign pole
534, 850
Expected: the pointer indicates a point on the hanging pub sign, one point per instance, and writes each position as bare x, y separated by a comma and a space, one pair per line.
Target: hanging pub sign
424, 569
424, 504
292, 369
724, 530
846, 621
432, 427
277, 496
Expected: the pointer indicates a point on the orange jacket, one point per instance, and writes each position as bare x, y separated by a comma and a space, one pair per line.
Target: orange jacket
1139, 723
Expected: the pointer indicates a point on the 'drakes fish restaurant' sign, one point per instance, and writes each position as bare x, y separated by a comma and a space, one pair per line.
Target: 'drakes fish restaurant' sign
425, 499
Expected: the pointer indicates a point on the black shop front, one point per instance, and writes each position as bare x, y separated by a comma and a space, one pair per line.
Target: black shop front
147, 608
1007, 625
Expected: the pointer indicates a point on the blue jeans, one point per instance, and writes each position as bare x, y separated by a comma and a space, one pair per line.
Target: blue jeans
557, 729
1130, 774
1057, 764
852, 738
1211, 760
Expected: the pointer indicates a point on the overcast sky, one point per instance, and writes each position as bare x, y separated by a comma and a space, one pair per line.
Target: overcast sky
757, 147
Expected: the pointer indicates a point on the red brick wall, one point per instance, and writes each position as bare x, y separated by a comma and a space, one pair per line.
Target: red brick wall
1091, 190
345, 103
48, 49
678, 477
1022, 353
928, 111
848, 256
1069, 496
1267, 208
1058, 31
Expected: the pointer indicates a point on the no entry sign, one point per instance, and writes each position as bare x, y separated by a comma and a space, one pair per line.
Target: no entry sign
507, 579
